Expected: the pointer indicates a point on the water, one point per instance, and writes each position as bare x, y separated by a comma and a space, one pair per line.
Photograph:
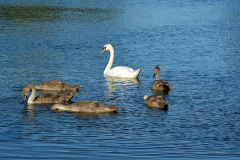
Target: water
195, 43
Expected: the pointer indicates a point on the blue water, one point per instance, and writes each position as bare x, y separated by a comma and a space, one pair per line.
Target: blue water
195, 42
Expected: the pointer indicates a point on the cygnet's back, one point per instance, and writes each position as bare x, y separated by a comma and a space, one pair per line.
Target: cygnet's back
85, 106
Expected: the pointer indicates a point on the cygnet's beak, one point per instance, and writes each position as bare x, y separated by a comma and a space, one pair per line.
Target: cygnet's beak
25, 98
104, 49
154, 74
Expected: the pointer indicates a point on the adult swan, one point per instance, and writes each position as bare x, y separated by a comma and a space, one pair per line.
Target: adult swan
119, 71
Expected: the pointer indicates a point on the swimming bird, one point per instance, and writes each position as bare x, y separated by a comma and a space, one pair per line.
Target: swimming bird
160, 85
45, 98
119, 71
54, 85
156, 101
85, 106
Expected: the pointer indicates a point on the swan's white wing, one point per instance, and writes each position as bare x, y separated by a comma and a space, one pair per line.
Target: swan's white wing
119, 70
123, 72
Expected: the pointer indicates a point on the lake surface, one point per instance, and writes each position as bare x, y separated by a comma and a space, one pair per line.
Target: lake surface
196, 43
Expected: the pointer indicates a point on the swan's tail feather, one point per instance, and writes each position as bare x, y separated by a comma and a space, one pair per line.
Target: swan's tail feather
133, 74
69, 95
111, 108
136, 73
77, 87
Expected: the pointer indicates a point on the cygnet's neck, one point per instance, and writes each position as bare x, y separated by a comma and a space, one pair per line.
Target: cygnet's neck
110, 62
33, 95
158, 74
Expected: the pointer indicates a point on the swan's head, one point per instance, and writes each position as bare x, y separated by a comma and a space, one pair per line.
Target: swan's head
58, 107
156, 69
25, 98
25, 92
145, 97
107, 47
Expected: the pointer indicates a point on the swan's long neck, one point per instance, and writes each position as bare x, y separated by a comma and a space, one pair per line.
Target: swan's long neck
33, 95
110, 62
158, 74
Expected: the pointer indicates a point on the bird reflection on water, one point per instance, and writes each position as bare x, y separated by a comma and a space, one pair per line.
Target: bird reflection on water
112, 82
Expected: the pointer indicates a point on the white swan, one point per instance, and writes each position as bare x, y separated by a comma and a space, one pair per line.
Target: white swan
119, 71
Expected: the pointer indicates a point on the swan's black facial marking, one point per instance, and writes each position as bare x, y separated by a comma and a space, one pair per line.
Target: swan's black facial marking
104, 49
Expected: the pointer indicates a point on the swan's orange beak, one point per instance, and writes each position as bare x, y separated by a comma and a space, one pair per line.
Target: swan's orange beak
104, 49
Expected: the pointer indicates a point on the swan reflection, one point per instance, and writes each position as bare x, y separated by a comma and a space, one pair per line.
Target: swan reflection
121, 85
29, 112
113, 81
31, 107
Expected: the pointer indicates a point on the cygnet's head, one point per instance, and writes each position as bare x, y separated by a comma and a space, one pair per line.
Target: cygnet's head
26, 90
57, 107
145, 97
156, 69
25, 94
